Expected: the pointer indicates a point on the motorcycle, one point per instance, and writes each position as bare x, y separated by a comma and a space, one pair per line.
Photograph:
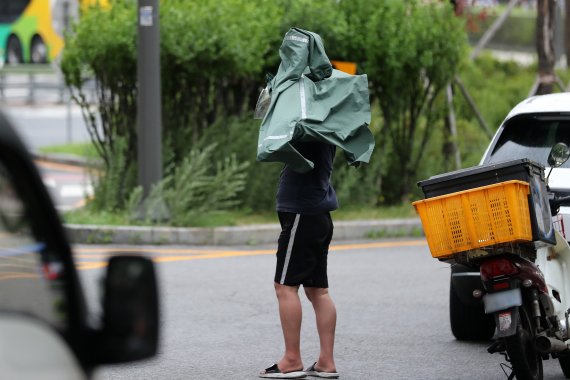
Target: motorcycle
525, 279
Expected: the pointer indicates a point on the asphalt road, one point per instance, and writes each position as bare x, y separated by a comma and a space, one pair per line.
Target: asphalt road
220, 316
45, 125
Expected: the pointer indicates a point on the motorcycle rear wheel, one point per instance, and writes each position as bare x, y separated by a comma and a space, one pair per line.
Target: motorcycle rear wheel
526, 360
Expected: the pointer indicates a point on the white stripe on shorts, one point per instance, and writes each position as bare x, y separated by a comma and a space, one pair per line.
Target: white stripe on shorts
290, 248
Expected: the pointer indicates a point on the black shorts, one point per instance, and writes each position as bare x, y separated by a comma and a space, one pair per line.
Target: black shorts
302, 249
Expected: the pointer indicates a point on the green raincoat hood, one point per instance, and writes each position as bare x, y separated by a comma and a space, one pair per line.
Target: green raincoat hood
310, 101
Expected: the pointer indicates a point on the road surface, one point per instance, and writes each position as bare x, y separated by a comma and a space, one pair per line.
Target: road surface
220, 318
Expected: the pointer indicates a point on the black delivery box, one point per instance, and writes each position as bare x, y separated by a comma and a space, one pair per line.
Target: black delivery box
520, 169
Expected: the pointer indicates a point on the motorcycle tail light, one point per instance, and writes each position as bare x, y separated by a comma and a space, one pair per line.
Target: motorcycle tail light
498, 267
501, 285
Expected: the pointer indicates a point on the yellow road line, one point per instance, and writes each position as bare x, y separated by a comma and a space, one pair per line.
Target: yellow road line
211, 256
93, 255
183, 254
29, 266
59, 166
157, 250
95, 265
409, 243
14, 275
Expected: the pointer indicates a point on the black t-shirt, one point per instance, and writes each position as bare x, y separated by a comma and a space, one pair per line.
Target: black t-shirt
311, 192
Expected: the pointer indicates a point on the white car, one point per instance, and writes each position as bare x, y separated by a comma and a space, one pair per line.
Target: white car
529, 131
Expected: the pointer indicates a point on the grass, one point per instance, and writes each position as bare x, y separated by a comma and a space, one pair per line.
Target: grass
86, 216
235, 218
86, 150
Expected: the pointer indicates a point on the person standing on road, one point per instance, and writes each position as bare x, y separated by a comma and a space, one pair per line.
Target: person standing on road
304, 203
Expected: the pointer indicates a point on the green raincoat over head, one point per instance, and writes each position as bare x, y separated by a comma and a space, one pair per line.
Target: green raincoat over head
310, 101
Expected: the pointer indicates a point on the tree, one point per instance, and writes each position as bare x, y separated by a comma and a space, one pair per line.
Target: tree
413, 51
545, 21
102, 46
211, 58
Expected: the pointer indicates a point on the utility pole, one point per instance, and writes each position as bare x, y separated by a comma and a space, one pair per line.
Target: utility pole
149, 104
66, 25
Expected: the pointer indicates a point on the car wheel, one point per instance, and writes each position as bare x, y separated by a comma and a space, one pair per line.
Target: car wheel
14, 51
469, 323
38, 50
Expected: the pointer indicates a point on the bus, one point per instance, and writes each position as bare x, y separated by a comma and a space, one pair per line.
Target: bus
31, 31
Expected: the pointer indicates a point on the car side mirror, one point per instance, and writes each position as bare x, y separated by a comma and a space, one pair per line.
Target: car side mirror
130, 310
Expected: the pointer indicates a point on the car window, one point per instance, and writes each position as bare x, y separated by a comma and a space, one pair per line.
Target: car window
11, 10
530, 137
31, 279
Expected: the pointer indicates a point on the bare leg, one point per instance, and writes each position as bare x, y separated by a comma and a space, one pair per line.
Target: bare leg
325, 312
290, 312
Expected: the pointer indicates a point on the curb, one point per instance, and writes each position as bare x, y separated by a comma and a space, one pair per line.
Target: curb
244, 235
68, 159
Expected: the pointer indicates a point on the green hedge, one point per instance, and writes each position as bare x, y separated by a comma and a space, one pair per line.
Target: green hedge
215, 55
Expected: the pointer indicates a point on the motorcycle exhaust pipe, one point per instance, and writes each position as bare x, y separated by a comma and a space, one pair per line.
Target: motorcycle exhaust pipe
547, 344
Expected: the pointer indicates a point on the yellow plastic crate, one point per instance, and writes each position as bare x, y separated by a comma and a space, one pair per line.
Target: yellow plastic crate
476, 218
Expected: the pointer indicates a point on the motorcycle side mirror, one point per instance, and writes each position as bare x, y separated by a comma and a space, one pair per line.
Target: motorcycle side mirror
559, 154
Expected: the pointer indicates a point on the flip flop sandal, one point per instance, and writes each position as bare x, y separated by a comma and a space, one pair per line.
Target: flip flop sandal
312, 371
274, 372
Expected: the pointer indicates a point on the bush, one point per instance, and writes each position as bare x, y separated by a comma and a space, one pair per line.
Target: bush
102, 45
210, 60
238, 136
413, 51
114, 186
200, 184
214, 57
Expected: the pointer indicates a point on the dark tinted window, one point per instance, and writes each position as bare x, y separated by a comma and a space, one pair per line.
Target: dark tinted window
532, 138
10, 10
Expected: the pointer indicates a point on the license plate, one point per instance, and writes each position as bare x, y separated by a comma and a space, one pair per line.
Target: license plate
505, 320
502, 300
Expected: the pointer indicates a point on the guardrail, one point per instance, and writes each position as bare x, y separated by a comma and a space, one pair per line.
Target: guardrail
26, 81
29, 79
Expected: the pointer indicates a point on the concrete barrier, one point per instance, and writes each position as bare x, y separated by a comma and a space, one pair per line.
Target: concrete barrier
243, 235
